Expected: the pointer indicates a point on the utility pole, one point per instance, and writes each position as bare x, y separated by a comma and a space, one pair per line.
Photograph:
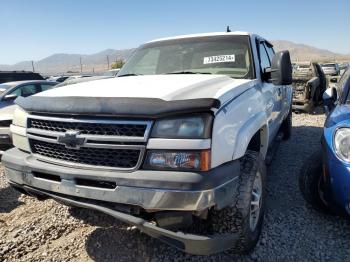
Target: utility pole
108, 61
81, 66
33, 66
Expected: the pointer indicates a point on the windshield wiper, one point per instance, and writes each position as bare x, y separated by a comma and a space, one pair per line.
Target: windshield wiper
130, 75
187, 72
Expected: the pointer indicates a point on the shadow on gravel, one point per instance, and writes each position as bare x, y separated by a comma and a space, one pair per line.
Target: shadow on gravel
93, 218
9, 199
119, 244
319, 110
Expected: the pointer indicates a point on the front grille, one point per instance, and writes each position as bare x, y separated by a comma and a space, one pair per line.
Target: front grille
105, 157
85, 128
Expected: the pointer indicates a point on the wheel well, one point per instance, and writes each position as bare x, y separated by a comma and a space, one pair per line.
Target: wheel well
259, 141
255, 142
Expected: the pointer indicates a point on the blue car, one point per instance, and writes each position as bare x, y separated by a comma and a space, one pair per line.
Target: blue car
324, 179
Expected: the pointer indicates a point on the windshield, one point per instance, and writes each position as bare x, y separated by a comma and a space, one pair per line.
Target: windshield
224, 55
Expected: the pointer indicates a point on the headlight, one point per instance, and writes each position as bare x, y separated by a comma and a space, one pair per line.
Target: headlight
185, 127
178, 160
20, 117
342, 144
18, 129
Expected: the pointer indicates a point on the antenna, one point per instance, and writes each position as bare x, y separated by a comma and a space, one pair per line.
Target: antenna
228, 30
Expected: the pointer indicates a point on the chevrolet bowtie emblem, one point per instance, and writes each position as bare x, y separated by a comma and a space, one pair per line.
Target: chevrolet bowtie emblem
71, 140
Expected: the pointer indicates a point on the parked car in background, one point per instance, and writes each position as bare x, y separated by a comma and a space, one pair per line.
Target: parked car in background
112, 72
324, 179
10, 76
331, 69
9, 91
343, 67
309, 83
82, 80
59, 79
77, 77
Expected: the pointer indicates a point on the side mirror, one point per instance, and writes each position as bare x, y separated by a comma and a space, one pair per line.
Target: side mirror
329, 98
10, 97
281, 69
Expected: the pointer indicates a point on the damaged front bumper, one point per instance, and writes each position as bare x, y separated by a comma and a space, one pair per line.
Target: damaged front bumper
190, 243
302, 105
198, 192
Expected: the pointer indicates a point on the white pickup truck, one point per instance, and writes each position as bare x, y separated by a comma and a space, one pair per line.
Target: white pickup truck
175, 145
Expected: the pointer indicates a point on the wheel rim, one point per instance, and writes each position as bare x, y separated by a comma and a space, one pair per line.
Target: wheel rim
255, 203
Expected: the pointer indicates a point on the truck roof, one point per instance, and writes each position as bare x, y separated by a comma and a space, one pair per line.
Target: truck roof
200, 35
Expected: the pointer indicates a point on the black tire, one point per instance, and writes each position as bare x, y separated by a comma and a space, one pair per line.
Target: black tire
286, 127
236, 217
310, 182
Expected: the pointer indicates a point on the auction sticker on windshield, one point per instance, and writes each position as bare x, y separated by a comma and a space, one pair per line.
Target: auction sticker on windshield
218, 59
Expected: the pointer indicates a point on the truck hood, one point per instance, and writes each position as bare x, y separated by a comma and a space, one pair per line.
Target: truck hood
165, 87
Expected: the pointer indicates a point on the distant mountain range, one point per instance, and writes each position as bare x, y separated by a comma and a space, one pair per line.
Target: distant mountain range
301, 52
62, 63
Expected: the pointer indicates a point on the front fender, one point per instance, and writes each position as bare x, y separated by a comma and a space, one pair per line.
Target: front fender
236, 123
257, 123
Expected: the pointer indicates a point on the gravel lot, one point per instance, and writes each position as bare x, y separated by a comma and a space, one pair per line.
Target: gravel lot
47, 231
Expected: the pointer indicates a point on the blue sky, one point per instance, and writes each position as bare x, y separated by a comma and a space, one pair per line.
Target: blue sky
34, 29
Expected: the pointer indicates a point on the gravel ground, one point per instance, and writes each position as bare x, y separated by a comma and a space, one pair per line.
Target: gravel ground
47, 231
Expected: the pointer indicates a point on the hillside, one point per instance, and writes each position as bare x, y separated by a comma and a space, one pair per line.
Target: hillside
61, 63
301, 52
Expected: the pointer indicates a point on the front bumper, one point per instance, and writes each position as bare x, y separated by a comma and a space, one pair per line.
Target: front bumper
21, 167
302, 105
190, 243
150, 190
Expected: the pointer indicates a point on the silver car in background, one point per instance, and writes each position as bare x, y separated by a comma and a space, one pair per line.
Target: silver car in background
331, 69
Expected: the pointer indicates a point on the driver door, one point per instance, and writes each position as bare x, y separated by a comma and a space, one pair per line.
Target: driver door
273, 94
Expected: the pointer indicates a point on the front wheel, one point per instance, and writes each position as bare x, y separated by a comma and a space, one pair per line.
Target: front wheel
245, 215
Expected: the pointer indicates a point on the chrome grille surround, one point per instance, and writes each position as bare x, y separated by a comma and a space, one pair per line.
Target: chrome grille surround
93, 141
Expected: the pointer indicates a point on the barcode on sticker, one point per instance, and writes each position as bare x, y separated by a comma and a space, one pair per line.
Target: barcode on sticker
218, 59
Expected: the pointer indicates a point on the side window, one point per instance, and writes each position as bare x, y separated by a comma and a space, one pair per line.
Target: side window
45, 87
264, 58
26, 90
270, 52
